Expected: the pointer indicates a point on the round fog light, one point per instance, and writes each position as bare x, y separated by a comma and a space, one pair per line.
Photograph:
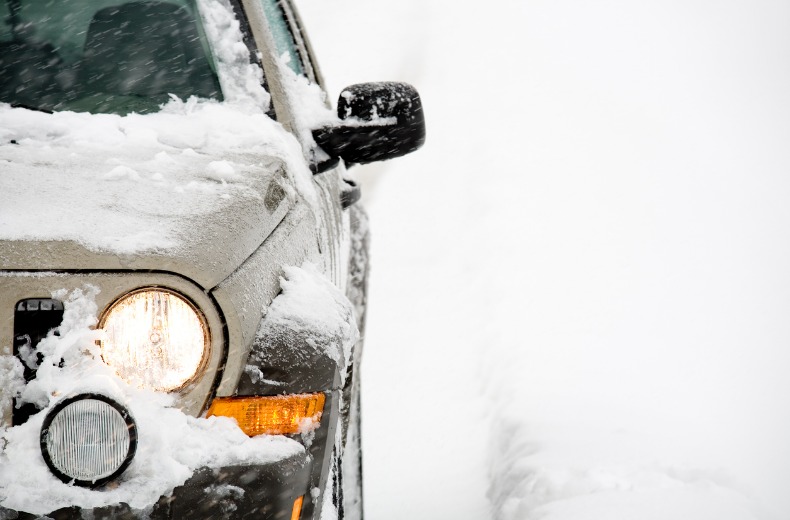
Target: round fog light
88, 440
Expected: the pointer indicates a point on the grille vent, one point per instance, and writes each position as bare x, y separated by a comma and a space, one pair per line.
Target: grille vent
33, 319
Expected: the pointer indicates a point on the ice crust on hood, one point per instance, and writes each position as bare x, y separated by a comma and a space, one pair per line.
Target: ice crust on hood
135, 176
126, 184
171, 445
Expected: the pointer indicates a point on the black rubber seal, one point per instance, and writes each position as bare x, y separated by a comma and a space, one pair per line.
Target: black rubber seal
130, 424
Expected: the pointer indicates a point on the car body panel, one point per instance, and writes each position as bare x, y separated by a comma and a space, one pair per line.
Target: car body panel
204, 245
247, 293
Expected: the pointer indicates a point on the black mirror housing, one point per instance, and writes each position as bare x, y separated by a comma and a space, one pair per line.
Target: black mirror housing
380, 121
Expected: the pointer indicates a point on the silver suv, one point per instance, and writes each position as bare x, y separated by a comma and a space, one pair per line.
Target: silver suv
183, 264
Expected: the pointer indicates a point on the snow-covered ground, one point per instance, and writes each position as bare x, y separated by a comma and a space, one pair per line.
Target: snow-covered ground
580, 292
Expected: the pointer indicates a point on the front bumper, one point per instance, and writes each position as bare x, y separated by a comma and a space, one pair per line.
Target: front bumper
268, 492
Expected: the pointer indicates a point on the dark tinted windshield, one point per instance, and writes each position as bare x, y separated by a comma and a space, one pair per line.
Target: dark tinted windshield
102, 55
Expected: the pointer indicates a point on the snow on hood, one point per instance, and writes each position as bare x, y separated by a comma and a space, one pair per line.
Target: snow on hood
172, 184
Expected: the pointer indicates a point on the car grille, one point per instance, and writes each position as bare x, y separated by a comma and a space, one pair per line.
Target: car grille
34, 318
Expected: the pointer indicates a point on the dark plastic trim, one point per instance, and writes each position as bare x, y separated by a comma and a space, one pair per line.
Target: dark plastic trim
324, 166
350, 193
31, 325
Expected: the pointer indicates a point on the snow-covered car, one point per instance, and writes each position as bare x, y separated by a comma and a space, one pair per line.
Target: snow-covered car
183, 263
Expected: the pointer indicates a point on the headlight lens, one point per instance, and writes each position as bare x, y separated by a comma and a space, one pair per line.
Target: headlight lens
155, 339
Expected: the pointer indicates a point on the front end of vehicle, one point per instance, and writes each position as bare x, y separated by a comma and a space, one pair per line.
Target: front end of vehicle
132, 393
178, 247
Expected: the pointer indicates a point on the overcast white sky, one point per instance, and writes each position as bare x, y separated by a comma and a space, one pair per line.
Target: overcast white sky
580, 294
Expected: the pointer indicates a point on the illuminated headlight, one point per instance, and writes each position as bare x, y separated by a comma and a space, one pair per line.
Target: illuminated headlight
88, 439
154, 339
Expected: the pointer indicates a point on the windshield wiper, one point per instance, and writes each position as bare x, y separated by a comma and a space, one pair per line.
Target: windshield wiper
31, 107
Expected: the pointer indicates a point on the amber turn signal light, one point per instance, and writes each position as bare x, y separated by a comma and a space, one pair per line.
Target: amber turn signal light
297, 510
272, 415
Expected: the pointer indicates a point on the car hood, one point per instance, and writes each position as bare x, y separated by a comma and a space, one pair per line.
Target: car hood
125, 194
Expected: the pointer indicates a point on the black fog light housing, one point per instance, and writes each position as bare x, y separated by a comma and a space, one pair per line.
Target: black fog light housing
88, 440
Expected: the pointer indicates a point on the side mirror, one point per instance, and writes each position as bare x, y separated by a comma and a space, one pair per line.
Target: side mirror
379, 121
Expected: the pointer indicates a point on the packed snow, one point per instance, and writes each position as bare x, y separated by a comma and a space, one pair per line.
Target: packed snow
579, 287
313, 308
171, 445
241, 81
148, 176
310, 106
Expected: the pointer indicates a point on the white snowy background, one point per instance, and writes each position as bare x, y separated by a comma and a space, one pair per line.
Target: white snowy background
580, 297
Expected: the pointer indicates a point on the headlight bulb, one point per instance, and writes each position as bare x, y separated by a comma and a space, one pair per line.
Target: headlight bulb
155, 339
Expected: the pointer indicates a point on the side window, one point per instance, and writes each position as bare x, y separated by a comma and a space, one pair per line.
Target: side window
283, 37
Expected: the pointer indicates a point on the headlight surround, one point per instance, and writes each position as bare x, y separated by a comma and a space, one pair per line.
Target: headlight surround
155, 339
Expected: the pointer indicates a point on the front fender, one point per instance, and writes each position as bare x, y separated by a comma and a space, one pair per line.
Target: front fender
305, 342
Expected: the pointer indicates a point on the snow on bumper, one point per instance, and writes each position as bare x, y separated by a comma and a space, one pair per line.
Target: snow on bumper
174, 455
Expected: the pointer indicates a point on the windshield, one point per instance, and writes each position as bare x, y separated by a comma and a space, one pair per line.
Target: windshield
102, 55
